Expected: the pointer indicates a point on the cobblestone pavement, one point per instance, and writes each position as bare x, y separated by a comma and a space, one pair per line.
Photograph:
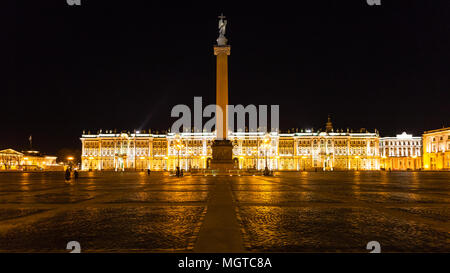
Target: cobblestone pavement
295, 212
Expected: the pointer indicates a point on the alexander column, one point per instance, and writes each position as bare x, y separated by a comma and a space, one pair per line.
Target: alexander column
222, 149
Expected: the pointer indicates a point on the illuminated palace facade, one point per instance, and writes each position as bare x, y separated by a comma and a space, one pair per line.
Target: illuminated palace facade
304, 150
401, 153
436, 149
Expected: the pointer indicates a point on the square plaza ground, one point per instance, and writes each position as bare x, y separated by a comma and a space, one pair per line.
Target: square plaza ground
290, 212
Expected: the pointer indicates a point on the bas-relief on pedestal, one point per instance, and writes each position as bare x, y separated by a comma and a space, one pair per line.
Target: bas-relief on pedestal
222, 155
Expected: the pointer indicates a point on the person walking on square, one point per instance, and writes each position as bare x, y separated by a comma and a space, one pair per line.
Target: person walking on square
67, 174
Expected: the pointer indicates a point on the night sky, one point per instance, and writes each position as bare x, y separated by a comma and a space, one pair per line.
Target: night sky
124, 64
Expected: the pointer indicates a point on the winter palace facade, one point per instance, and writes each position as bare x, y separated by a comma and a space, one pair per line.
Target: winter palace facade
305, 150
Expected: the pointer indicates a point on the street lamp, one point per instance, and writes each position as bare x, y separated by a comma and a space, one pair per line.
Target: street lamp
253, 153
70, 159
178, 146
266, 145
304, 163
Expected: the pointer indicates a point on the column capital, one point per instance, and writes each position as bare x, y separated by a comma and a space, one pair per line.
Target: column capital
218, 50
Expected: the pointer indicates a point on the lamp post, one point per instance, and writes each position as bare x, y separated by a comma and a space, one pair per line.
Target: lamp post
266, 146
255, 152
189, 159
178, 145
265, 159
304, 163
70, 159
134, 149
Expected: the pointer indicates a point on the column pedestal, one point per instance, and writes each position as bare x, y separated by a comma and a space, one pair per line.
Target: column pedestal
222, 155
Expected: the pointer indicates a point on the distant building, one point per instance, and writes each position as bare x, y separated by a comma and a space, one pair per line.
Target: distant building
436, 149
27, 161
305, 150
10, 159
34, 160
403, 152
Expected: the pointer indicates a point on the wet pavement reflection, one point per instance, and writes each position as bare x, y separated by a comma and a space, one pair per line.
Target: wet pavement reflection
343, 211
291, 211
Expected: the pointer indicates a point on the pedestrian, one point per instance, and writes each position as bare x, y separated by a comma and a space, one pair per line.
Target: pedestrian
75, 174
67, 175
148, 171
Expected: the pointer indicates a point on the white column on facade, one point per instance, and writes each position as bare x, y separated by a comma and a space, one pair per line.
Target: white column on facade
149, 159
82, 148
348, 154
114, 154
100, 155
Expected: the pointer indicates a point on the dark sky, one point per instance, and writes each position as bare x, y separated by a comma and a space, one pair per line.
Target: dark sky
125, 64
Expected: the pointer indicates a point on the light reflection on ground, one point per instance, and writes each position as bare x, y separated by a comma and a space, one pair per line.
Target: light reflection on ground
301, 212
